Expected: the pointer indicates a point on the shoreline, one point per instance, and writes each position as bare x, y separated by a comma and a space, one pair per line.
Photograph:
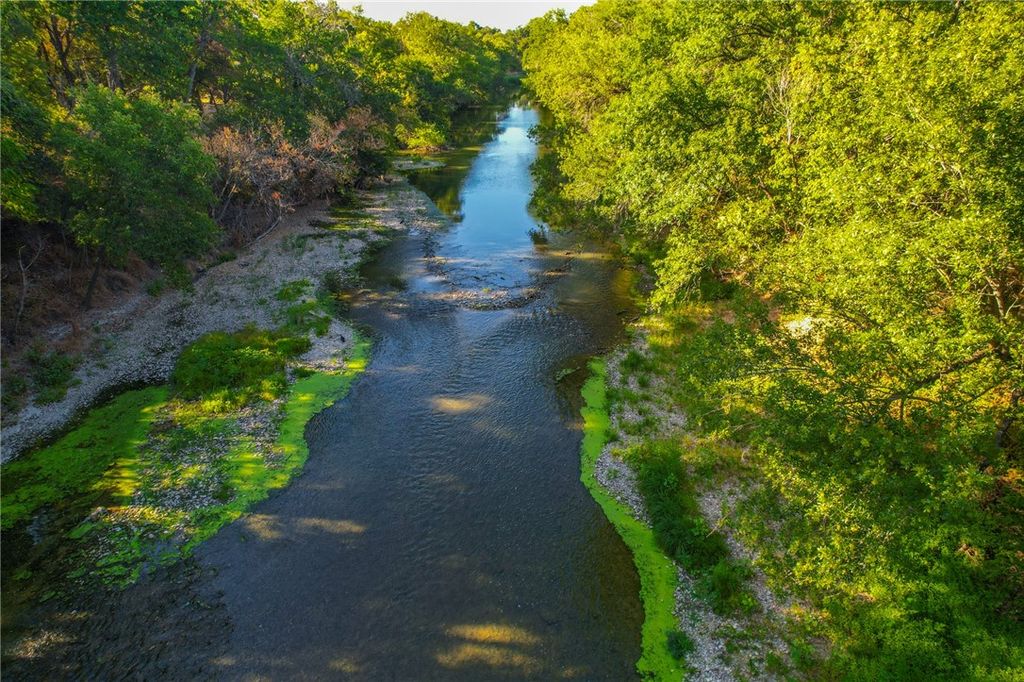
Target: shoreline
656, 571
136, 342
713, 646
119, 513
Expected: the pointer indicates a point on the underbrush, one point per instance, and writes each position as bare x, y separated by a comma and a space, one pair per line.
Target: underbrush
233, 370
681, 531
47, 374
52, 373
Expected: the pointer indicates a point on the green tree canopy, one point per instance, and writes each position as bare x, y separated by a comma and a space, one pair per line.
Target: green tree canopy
138, 177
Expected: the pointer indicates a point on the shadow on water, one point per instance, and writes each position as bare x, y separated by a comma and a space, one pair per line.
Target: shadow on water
440, 530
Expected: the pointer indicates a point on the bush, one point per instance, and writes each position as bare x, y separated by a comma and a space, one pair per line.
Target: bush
636, 362
333, 282
52, 373
305, 317
725, 584
236, 369
156, 287
293, 291
679, 644
14, 389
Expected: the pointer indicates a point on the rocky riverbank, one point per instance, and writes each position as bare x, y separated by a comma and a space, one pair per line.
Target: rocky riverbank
138, 341
748, 644
186, 467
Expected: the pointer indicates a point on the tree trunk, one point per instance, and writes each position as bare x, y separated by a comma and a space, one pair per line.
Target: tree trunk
1004, 428
201, 45
24, 284
113, 72
87, 301
61, 48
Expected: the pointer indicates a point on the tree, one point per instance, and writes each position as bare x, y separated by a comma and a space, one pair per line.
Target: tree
139, 179
848, 177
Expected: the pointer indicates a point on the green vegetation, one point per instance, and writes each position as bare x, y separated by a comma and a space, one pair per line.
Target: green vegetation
250, 477
680, 529
139, 180
308, 396
157, 131
829, 197
51, 373
293, 291
232, 370
661, 642
70, 468
154, 472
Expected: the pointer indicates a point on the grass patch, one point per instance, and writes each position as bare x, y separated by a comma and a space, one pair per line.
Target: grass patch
293, 291
52, 373
659, 638
232, 370
302, 318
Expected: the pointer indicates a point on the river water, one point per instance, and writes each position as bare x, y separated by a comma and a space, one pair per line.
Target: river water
440, 530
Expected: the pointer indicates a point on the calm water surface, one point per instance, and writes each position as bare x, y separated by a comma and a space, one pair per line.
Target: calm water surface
440, 530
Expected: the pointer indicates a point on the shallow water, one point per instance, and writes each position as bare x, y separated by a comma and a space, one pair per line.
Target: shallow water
440, 530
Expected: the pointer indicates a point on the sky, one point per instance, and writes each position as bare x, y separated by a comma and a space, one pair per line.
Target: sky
503, 14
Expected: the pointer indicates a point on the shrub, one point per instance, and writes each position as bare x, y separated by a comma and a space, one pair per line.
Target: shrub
156, 287
333, 282
636, 362
681, 530
293, 291
427, 136
679, 644
305, 317
725, 582
236, 369
52, 373
14, 389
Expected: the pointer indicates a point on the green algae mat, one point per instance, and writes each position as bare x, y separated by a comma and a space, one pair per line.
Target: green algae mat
657, 572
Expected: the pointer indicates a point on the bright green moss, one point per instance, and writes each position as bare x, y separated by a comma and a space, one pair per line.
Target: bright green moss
248, 476
75, 468
657, 572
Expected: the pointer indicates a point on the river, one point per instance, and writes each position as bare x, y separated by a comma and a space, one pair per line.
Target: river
440, 530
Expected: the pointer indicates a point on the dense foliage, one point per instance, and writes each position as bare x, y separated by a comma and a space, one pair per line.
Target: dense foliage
838, 188
131, 128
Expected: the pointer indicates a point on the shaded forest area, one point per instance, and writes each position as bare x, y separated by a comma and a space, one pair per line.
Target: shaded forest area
143, 139
828, 199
